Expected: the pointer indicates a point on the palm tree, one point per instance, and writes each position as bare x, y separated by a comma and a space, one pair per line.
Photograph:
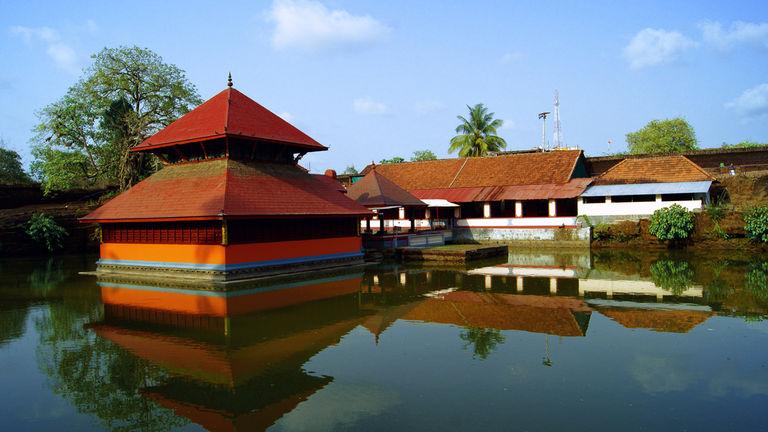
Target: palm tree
477, 136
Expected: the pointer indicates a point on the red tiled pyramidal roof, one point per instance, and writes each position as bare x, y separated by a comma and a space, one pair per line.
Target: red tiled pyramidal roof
225, 187
230, 114
375, 190
661, 169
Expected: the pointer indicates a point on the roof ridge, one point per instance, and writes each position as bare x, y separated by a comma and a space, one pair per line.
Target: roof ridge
226, 111
700, 169
458, 172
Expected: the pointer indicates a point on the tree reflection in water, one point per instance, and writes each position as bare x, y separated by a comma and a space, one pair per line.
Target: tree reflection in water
96, 376
671, 275
483, 340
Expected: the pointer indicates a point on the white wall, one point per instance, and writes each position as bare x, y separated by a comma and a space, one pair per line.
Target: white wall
524, 222
632, 208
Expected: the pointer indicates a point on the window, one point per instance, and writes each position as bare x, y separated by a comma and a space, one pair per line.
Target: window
633, 198
208, 232
678, 197
594, 200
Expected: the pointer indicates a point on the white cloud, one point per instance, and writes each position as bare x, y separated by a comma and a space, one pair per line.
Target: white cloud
509, 125
752, 103
60, 52
739, 33
428, 107
652, 47
310, 26
510, 57
368, 106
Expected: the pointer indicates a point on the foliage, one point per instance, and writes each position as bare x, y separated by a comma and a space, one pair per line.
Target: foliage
478, 135
11, 171
396, 159
423, 155
675, 276
483, 340
44, 230
601, 231
744, 144
126, 95
756, 223
756, 280
716, 213
350, 170
672, 223
663, 136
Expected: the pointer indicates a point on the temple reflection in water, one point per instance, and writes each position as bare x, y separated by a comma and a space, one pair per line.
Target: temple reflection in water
238, 359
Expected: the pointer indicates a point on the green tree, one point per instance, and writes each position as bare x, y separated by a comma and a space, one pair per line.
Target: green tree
11, 171
45, 231
423, 155
744, 144
126, 95
351, 170
396, 159
663, 137
756, 223
477, 135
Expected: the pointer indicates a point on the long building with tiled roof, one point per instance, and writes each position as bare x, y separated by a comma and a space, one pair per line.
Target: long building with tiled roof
230, 203
636, 187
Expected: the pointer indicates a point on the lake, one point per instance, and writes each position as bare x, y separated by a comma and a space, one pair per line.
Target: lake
599, 341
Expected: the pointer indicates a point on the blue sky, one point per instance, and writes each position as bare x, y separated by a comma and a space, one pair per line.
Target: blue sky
375, 79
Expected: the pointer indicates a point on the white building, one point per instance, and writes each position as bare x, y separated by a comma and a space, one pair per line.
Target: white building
640, 186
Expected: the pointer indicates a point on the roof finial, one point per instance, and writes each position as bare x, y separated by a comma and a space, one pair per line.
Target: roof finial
229, 80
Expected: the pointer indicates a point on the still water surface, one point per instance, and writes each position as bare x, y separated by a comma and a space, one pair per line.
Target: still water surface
601, 341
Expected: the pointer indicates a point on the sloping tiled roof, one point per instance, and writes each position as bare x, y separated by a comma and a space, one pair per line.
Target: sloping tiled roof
572, 189
536, 314
375, 190
219, 187
536, 168
661, 169
672, 321
233, 114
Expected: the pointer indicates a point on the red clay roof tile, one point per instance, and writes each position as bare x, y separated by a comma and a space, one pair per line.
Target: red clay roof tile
223, 187
661, 169
375, 190
230, 113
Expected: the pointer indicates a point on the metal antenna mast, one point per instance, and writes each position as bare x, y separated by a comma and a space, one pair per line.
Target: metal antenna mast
543, 118
558, 136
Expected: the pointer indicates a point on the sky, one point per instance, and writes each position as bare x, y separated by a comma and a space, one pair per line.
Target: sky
376, 79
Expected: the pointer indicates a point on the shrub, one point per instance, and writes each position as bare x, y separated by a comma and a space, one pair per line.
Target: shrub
716, 213
672, 223
756, 224
625, 231
601, 232
44, 230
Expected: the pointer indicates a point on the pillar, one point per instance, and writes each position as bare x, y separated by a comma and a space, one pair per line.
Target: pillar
413, 225
381, 223
519, 284
402, 278
518, 209
401, 213
486, 210
488, 282
428, 213
552, 208
553, 285
607, 200
457, 212
368, 224
658, 197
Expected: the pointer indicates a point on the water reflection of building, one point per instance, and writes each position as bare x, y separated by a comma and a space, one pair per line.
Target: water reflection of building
631, 301
447, 297
241, 371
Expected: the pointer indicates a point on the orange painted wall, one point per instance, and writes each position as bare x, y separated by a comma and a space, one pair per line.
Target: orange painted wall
232, 254
190, 303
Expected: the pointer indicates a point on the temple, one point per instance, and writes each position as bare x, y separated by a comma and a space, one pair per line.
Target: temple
231, 202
